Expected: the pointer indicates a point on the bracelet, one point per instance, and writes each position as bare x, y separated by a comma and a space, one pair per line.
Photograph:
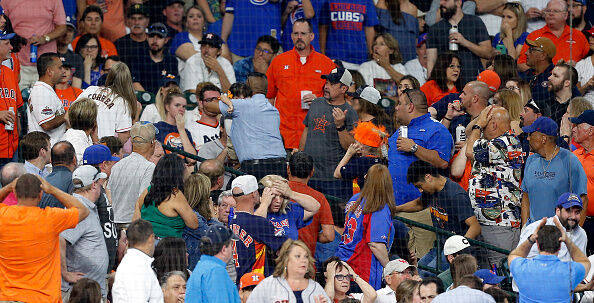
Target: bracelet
447, 118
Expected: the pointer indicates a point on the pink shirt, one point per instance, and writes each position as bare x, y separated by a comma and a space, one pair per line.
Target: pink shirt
11, 199
38, 17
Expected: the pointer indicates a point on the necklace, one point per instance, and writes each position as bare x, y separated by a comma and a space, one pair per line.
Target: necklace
553, 156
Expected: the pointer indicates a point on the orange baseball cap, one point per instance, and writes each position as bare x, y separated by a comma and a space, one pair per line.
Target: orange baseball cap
250, 279
369, 134
490, 78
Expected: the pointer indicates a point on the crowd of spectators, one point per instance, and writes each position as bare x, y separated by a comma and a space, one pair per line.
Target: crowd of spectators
278, 150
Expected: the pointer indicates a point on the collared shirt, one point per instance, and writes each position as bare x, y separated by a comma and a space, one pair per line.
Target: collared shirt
210, 274
494, 186
577, 44
428, 134
386, 295
539, 85
287, 78
135, 280
32, 169
61, 178
587, 160
44, 106
242, 68
463, 294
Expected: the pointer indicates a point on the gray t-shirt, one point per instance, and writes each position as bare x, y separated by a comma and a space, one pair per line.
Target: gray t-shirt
322, 141
129, 178
86, 251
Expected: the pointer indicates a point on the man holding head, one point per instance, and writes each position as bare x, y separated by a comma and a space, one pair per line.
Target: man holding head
24, 226
63, 164
135, 280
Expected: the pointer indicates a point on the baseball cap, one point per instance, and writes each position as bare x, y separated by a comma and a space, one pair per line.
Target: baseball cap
586, 117
339, 75
65, 61
531, 104
545, 44
455, 244
488, 276
169, 2
158, 29
247, 183
87, 174
420, 13
568, 200
98, 153
168, 79
250, 279
582, 2
71, 21
143, 132
398, 265
368, 134
4, 35
421, 39
211, 39
370, 94
490, 78
137, 8
543, 125
220, 234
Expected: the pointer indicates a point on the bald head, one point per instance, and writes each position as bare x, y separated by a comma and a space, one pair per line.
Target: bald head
10, 172
63, 153
481, 89
214, 170
499, 123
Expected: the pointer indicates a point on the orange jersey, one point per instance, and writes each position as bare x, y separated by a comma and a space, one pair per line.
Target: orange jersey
287, 78
68, 95
10, 96
107, 47
579, 44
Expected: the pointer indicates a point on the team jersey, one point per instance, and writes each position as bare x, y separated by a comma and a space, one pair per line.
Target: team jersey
359, 230
10, 96
13, 64
113, 115
289, 224
286, 41
169, 135
203, 133
44, 106
68, 95
251, 253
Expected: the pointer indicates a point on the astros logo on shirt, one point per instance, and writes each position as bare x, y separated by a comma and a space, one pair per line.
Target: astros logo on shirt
259, 2
173, 140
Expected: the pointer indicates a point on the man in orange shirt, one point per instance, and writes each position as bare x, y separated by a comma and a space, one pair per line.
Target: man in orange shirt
583, 134
10, 98
29, 242
294, 79
92, 21
558, 31
65, 91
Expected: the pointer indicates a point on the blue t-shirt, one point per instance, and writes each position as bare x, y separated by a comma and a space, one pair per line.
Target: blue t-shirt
286, 41
545, 181
346, 20
252, 19
359, 230
427, 133
406, 32
210, 282
545, 278
178, 40
169, 135
288, 224
498, 42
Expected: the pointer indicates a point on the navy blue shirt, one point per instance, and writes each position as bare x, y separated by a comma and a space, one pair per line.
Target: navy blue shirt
357, 169
441, 107
538, 83
61, 177
150, 73
169, 136
427, 133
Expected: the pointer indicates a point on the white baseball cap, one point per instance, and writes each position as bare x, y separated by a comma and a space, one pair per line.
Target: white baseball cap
87, 174
455, 244
398, 265
370, 94
247, 183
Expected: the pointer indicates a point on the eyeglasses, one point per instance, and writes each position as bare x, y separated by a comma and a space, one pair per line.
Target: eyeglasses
342, 277
553, 11
261, 50
91, 47
453, 66
404, 273
512, 87
211, 99
535, 49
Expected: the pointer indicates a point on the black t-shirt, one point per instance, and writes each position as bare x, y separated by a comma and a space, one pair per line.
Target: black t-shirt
150, 73
473, 29
357, 168
110, 234
556, 109
131, 51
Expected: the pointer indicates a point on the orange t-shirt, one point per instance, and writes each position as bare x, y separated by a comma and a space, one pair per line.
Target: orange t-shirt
68, 95
30, 252
309, 234
587, 160
287, 78
10, 96
107, 47
434, 93
580, 44
113, 26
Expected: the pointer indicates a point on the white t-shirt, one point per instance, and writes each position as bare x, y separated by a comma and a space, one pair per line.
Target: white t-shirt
151, 114
415, 69
44, 106
534, 24
585, 71
79, 140
113, 114
195, 71
371, 70
203, 133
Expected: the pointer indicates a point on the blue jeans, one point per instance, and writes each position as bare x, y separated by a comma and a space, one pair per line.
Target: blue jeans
430, 260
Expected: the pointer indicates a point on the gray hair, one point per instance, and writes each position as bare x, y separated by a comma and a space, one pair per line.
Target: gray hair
170, 274
11, 171
227, 193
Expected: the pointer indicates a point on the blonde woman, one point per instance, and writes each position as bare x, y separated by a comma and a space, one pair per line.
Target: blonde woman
116, 102
513, 32
291, 278
156, 112
278, 207
521, 88
83, 126
514, 105
408, 292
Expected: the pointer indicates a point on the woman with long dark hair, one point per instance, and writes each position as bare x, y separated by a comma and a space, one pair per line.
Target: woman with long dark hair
444, 78
170, 255
89, 48
369, 222
163, 202
505, 66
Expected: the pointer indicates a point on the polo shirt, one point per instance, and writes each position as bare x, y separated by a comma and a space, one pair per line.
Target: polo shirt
61, 178
427, 133
580, 44
546, 278
44, 106
538, 84
287, 78
587, 160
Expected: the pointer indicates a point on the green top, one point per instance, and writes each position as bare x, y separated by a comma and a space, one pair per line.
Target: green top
446, 278
163, 226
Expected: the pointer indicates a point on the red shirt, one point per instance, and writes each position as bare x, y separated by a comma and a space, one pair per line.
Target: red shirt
580, 44
309, 234
10, 96
287, 77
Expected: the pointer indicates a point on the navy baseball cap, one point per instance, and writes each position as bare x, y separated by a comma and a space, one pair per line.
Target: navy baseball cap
543, 125
569, 200
137, 9
211, 39
339, 75
158, 29
169, 78
71, 22
488, 276
220, 234
175, 1
586, 117
98, 153
4, 35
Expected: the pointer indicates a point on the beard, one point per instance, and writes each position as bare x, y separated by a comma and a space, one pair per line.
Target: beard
569, 224
447, 12
156, 50
555, 88
300, 45
576, 20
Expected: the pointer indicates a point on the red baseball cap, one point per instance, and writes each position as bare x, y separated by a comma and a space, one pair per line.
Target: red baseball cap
490, 78
250, 279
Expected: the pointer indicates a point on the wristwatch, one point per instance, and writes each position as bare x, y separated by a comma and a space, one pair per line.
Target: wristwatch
47, 38
414, 148
477, 127
341, 128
